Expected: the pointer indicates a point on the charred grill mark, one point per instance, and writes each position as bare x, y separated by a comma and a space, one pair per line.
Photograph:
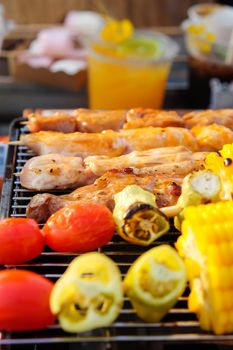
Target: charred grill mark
175, 189
127, 170
37, 170
87, 274
136, 207
81, 310
122, 171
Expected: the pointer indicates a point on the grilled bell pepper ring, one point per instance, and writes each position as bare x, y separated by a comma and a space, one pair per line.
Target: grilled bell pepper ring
199, 187
89, 294
155, 281
138, 219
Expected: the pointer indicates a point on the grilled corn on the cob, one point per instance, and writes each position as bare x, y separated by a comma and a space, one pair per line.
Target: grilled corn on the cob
206, 244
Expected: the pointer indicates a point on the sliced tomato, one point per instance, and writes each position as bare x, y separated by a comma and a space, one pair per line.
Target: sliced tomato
21, 240
79, 228
24, 301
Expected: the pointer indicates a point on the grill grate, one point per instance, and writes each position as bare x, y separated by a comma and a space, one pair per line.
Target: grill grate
178, 325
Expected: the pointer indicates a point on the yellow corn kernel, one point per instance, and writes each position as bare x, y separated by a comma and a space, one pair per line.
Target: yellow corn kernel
196, 304
227, 151
219, 253
217, 300
220, 323
213, 254
225, 253
228, 300
193, 268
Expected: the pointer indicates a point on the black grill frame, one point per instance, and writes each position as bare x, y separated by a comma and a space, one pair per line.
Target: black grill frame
179, 325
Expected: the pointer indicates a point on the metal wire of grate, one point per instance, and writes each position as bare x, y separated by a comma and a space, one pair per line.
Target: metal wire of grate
179, 325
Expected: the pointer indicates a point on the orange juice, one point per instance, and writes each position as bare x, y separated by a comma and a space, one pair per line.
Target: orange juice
120, 80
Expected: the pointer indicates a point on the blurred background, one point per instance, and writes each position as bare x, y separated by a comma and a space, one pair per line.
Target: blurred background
26, 83
140, 12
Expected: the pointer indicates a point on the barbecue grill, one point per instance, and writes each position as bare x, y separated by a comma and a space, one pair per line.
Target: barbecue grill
179, 325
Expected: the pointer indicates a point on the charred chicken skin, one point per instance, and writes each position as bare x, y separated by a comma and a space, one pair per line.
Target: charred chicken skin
165, 187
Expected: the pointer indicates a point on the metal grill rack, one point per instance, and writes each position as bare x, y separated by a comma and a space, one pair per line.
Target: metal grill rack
179, 325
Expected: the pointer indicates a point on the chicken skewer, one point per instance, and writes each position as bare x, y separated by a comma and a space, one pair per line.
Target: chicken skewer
86, 120
212, 137
55, 171
201, 118
167, 189
109, 143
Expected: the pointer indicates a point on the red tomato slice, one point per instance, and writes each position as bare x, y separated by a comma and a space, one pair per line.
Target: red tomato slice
21, 240
79, 228
24, 301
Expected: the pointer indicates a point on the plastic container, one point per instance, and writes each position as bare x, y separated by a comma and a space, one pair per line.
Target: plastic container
206, 60
197, 12
129, 81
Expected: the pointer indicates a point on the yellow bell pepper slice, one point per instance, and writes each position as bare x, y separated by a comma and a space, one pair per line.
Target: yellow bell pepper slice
89, 294
155, 281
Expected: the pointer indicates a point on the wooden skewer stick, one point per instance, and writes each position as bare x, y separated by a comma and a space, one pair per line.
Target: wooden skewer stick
15, 143
24, 123
171, 211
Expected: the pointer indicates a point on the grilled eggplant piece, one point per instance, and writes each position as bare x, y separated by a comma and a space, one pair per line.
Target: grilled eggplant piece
138, 219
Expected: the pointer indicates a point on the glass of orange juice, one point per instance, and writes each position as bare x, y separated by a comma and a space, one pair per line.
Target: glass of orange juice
132, 73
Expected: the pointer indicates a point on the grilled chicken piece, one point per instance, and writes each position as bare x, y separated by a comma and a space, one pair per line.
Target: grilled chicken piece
86, 120
212, 137
219, 116
141, 159
54, 171
97, 120
141, 118
62, 120
109, 143
166, 188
